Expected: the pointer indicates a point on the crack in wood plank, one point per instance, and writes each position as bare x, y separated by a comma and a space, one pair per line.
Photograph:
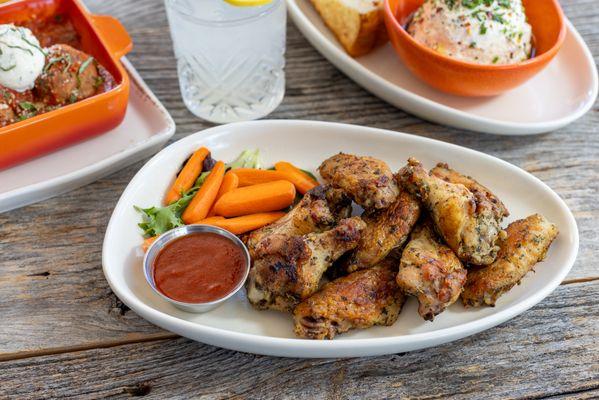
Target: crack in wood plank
142, 338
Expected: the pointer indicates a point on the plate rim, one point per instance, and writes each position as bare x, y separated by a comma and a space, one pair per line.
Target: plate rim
261, 344
100, 166
457, 118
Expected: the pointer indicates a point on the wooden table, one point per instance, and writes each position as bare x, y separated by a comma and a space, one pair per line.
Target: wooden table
63, 332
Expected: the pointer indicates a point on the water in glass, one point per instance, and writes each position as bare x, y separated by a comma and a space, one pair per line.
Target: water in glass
230, 59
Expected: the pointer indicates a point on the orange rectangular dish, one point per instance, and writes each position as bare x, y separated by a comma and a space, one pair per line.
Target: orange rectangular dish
102, 37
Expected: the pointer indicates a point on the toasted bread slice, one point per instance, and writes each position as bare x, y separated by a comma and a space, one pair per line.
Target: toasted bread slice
358, 24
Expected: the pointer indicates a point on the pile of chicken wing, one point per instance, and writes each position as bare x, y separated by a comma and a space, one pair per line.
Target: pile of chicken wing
435, 235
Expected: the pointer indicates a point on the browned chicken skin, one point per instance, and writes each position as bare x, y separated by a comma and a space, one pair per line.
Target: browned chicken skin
526, 244
360, 300
287, 269
430, 271
368, 181
443, 171
468, 222
386, 230
320, 209
70, 75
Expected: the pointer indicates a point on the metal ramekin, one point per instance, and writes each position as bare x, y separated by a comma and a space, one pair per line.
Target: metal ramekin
168, 237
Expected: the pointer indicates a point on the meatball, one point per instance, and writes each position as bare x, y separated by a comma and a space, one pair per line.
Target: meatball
70, 75
7, 115
15, 106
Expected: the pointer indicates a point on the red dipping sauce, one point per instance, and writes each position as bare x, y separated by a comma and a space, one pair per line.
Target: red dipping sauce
199, 268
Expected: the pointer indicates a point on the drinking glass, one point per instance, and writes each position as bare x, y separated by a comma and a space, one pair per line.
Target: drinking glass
230, 59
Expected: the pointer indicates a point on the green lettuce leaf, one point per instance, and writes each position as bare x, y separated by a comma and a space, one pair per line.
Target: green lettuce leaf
247, 159
157, 220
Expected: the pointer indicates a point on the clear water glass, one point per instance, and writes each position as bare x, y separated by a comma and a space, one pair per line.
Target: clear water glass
230, 59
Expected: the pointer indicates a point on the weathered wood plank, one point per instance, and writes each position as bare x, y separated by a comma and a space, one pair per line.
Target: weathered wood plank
551, 350
52, 291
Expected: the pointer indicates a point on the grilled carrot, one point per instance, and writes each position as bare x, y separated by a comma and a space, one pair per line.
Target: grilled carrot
246, 223
204, 199
265, 197
302, 181
187, 176
253, 176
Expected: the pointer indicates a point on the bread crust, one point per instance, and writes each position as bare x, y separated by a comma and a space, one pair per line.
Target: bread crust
359, 33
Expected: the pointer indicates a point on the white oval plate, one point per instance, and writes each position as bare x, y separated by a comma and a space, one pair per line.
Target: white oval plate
557, 96
236, 325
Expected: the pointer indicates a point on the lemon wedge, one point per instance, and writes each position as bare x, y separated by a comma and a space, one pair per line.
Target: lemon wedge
248, 3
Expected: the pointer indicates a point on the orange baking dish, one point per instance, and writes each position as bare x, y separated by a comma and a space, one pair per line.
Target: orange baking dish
104, 38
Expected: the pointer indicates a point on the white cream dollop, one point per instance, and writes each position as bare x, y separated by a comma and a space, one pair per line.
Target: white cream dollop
22, 59
479, 31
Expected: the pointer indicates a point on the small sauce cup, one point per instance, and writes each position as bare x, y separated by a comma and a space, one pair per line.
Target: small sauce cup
169, 237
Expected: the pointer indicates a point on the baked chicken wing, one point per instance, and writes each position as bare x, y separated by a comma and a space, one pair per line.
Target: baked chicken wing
430, 271
359, 300
287, 269
468, 222
443, 171
386, 230
320, 209
368, 181
526, 244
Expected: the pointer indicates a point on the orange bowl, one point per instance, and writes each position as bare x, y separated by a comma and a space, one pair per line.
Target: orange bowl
107, 41
469, 79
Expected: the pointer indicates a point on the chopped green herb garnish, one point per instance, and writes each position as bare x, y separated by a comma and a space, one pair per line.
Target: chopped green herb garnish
12, 46
8, 68
25, 105
82, 69
31, 44
84, 65
98, 82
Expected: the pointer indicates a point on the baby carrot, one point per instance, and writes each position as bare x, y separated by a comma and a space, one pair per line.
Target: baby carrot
302, 181
211, 220
253, 176
265, 197
246, 223
203, 201
187, 176
230, 182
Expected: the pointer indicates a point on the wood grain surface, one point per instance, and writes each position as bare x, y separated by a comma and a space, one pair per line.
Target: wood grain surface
63, 332
550, 351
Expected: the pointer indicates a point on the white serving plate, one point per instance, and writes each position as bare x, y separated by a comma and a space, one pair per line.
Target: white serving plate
236, 325
146, 128
557, 96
